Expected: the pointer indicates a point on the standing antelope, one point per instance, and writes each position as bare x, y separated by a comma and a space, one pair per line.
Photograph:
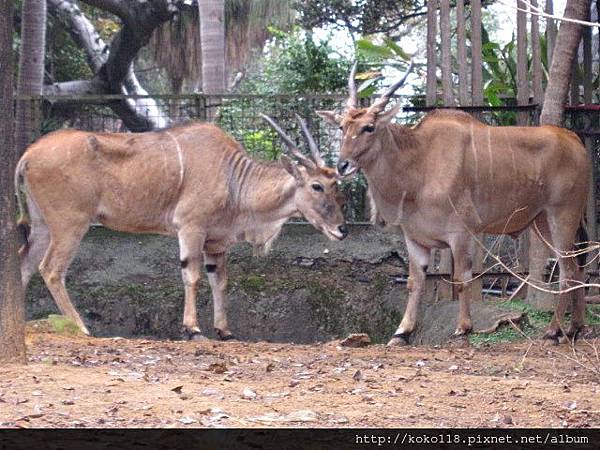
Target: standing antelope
194, 182
451, 177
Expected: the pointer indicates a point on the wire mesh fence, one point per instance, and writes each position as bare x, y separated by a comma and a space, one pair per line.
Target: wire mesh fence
239, 115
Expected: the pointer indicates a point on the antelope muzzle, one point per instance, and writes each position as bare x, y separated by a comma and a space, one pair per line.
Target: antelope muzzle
345, 167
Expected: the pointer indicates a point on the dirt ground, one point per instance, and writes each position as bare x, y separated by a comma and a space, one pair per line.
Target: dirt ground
74, 381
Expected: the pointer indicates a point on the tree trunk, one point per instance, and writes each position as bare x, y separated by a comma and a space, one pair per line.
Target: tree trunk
31, 68
113, 63
12, 309
212, 41
212, 38
565, 49
567, 42
550, 32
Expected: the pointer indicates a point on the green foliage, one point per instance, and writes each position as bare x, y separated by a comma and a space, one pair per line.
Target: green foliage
500, 74
386, 54
65, 61
388, 50
360, 16
62, 325
592, 315
294, 66
536, 322
253, 284
500, 336
261, 144
50, 124
297, 64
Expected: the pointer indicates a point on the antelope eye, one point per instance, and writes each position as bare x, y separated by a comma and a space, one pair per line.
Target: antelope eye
368, 129
317, 187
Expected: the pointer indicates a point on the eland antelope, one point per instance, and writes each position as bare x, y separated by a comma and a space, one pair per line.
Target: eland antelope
192, 181
451, 177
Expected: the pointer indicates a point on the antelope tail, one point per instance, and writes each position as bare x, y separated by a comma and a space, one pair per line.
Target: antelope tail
582, 242
23, 227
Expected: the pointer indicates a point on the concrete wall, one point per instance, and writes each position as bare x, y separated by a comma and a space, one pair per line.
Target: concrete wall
307, 289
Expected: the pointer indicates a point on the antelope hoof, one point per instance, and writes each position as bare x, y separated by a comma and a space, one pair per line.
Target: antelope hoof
573, 332
399, 340
462, 331
80, 325
225, 335
553, 334
193, 334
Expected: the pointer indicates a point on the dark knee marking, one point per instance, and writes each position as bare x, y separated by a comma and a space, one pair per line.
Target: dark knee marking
211, 268
468, 264
184, 263
425, 267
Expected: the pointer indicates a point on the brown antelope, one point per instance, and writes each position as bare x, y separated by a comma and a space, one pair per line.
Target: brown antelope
193, 181
451, 176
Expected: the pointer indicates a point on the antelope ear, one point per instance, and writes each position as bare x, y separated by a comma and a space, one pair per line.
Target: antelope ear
385, 117
291, 168
331, 117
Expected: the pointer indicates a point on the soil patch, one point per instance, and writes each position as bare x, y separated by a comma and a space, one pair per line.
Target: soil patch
74, 381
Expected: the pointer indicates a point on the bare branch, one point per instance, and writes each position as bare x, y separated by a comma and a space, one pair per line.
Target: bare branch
536, 11
81, 31
134, 35
113, 63
77, 87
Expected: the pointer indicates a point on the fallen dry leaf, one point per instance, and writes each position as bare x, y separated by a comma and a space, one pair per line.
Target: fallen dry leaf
356, 340
177, 389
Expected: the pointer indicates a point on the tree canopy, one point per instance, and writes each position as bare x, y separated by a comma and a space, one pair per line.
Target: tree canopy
360, 16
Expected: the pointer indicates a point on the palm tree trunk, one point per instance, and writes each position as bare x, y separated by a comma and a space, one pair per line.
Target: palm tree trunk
12, 315
212, 41
31, 68
212, 38
567, 42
